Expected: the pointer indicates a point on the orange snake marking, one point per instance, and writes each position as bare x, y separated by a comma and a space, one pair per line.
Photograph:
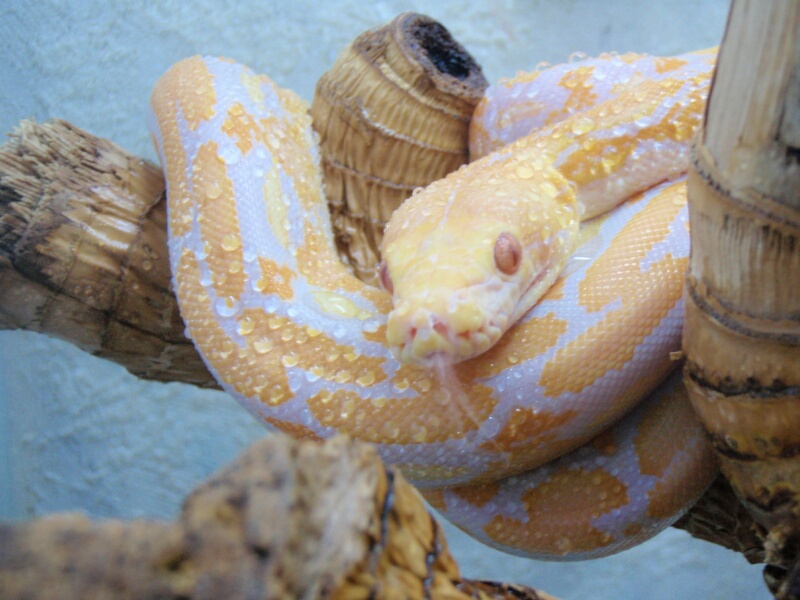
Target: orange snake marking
570, 509
301, 343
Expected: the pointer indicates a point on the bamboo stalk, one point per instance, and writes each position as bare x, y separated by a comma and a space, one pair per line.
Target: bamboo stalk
742, 325
287, 519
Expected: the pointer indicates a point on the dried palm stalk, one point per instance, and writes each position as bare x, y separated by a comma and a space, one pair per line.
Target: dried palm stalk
288, 519
393, 115
742, 327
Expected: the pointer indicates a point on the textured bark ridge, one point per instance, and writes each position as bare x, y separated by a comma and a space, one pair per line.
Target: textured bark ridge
288, 519
742, 326
84, 251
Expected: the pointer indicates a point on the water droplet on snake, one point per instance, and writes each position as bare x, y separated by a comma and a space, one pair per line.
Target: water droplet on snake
289, 360
581, 125
226, 307
263, 345
246, 326
230, 242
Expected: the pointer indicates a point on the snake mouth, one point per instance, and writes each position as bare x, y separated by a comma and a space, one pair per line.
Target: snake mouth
438, 343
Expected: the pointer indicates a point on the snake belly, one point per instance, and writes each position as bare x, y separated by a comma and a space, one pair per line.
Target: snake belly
301, 343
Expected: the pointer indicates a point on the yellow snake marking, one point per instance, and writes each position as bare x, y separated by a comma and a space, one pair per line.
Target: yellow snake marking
403, 420
198, 108
212, 191
303, 347
665, 64
573, 534
527, 424
275, 279
604, 443
582, 94
523, 342
243, 372
320, 266
656, 448
583, 166
297, 431
434, 497
593, 354
277, 212
477, 495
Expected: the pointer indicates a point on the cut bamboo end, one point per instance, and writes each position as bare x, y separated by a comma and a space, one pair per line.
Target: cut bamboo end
393, 115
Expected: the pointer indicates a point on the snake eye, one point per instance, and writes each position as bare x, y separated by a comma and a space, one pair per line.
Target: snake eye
507, 253
385, 278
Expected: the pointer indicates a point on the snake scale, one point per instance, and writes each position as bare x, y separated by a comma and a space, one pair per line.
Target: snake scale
537, 441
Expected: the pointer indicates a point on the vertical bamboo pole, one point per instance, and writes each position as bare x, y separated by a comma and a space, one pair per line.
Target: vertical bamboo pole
742, 327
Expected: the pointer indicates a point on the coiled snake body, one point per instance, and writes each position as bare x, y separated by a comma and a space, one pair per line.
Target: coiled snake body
302, 344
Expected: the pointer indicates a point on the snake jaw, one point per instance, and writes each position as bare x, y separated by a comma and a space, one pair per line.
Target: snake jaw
429, 333
427, 341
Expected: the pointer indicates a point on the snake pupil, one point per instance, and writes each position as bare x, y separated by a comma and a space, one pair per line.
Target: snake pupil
507, 253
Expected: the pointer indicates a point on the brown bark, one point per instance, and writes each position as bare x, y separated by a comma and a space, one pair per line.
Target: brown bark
84, 251
742, 325
288, 519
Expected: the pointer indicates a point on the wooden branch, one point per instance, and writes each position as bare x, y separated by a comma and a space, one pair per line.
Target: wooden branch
84, 252
742, 321
288, 519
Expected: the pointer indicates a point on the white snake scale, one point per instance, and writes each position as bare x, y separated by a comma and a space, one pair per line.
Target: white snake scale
302, 344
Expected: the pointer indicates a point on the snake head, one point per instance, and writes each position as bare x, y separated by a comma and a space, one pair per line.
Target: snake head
465, 258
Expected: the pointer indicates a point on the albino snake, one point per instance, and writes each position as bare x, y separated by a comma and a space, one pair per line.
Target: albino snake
302, 344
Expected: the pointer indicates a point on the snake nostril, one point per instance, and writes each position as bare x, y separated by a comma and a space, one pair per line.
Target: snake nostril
440, 328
